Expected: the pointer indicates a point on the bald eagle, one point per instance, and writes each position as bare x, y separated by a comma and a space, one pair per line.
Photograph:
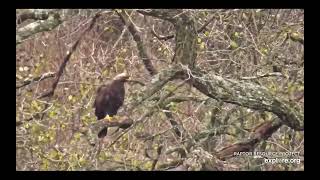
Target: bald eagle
109, 99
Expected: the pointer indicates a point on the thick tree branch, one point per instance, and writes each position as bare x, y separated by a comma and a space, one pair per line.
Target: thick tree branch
247, 95
36, 14
52, 21
259, 133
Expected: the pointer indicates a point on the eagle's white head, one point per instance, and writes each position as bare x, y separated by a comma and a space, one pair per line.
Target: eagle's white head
123, 76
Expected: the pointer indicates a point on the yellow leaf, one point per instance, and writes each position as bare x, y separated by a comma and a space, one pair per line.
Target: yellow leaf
77, 135
40, 138
296, 35
70, 97
25, 68
199, 40
18, 76
202, 45
52, 114
26, 125
264, 51
82, 161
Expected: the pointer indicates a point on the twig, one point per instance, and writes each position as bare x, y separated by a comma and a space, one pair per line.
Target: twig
161, 37
172, 36
263, 75
136, 82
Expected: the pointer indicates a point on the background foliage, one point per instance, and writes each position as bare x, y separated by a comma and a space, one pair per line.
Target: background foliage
237, 44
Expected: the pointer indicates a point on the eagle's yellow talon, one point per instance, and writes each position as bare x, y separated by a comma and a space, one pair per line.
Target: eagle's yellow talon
108, 118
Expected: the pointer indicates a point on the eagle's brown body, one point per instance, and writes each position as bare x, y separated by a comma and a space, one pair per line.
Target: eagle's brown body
109, 99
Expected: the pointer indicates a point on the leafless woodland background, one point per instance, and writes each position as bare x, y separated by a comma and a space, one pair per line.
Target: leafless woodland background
180, 124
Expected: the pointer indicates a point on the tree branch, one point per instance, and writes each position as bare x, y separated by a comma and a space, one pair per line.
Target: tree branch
259, 133
165, 14
52, 21
247, 95
36, 14
144, 54
39, 78
276, 74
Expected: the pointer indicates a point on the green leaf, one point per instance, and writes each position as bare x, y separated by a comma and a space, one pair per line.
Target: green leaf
264, 51
52, 114
233, 45
35, 105
236, 34
148, 165
53, 154
77, 135
45, 164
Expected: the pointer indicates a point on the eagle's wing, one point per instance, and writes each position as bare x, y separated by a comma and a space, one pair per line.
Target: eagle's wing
101, 101
99, 95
